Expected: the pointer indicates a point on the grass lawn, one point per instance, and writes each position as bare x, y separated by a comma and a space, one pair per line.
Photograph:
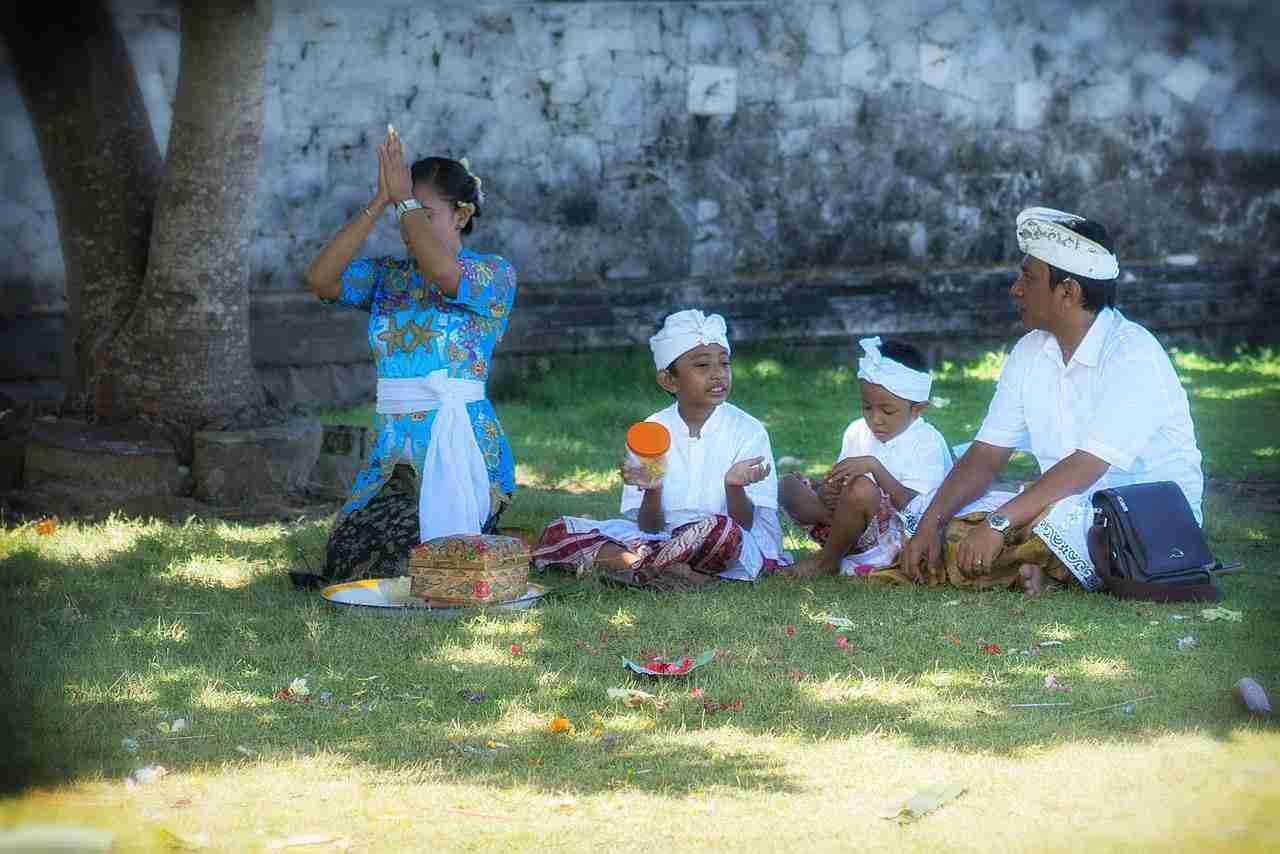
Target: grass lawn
430, 735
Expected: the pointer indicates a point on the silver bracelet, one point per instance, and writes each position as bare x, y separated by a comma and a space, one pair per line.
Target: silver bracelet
370, 214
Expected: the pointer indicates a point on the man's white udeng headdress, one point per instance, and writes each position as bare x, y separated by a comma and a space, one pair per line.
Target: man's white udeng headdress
683, 331
906, 383
1043, 234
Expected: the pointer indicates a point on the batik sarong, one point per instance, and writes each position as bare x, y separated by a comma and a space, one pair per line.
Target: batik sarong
708, 546
374, 540
876, 547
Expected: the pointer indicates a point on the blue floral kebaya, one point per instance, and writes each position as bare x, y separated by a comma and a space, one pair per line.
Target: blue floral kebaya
414, 329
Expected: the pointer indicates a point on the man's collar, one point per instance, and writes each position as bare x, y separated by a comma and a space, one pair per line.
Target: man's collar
1090, 349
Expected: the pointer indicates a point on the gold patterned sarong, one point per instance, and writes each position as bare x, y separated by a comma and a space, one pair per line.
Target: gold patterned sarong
1021, 547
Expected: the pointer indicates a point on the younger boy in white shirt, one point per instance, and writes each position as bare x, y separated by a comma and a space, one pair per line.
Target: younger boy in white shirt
890, 459
715, 511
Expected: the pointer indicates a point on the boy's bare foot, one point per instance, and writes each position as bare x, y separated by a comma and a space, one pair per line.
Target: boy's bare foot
807, 568
680, 578
1032, 580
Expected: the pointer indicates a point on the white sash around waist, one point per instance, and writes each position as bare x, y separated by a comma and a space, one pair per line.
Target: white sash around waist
454, 476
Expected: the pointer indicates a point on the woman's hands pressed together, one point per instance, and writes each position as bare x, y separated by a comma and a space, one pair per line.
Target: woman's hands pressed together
393, 172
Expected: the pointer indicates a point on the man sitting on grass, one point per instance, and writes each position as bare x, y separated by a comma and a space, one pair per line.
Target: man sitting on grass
1091, 394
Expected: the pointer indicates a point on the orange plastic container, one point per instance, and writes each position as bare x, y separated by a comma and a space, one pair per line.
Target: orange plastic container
647, 446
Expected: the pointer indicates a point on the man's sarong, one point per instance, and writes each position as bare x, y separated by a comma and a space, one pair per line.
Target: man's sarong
709, 546
1021, 547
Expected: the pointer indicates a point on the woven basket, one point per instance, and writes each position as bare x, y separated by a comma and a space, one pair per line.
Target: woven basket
469, 569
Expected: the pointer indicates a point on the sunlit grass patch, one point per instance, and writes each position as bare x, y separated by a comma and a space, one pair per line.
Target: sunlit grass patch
425, 734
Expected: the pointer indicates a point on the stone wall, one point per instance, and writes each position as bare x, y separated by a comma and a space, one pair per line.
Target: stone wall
659, 142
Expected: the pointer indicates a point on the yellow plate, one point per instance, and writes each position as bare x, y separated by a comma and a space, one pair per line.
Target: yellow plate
393, 594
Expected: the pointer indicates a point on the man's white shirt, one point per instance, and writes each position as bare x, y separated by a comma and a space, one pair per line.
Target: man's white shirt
1118, 399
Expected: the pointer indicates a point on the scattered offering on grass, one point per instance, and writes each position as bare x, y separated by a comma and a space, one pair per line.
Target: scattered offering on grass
832, 618
635, 698
46, 527
789, 631
993, 648
472, 696
670, 667
129, 745
1254, 697
922, 803
1188, 642
1227, 614
562, 725
711, 706
516, 650
298, 687
146, 776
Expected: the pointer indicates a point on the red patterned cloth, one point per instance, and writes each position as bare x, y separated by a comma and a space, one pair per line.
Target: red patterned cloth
708, 546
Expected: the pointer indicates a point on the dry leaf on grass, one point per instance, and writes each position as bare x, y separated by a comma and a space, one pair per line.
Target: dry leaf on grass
636, 698
922, 803
1222, 614
305, 839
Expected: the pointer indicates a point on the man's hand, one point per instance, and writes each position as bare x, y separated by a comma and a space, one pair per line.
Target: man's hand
924, 548
747, 472
979, 548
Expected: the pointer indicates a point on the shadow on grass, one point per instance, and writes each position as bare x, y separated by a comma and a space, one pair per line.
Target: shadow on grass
198, 621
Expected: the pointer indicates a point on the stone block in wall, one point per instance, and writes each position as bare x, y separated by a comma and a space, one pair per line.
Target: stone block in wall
344, 450
234, 467
713, 90
116, 462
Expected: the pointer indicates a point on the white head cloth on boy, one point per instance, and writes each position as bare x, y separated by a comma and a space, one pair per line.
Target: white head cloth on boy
906, 383
684, 330
1043, 234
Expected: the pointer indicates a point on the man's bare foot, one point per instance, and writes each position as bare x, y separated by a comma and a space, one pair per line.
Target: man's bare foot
1032, 580
807, 568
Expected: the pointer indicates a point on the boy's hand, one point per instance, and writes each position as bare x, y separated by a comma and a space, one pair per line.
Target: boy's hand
635, 476
829, 492
851, 467
747, 472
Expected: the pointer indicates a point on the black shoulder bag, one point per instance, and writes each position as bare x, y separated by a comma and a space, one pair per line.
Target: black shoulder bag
1157, 550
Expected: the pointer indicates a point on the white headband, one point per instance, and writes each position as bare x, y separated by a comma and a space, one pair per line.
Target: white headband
683, 331
1042, 233
906, 383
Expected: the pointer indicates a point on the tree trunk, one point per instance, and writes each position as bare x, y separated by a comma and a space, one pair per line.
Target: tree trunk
184, 357
103, 167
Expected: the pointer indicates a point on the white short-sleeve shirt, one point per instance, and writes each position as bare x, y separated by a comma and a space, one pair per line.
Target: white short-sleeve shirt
1118, 399
693, 487
918, 456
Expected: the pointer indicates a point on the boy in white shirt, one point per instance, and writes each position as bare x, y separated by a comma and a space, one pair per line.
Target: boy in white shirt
715, 512
889, 460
